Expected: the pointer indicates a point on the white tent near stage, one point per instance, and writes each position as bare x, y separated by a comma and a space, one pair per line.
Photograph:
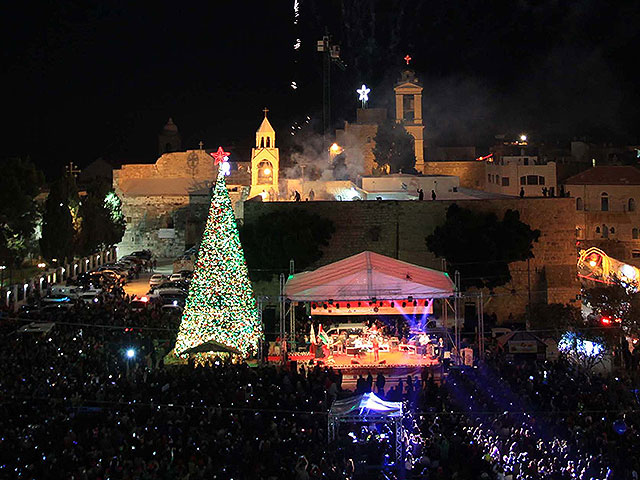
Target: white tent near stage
368, 275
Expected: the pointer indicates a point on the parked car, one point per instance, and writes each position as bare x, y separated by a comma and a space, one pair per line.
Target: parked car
139, 303
144, 254
72, 292
156, 279
177, 277
172, 309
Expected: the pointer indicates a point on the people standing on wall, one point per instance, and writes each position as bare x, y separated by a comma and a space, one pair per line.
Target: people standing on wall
433, 194
420, 194
521, 192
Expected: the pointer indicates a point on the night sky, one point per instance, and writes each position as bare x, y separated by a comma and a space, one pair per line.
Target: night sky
99, 79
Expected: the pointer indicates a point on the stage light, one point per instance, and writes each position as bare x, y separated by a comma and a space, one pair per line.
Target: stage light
131, 353
410, 298
324, 306
330, 301
313, 305
375, 309
415, 303
392, 304
404, 304
373, 299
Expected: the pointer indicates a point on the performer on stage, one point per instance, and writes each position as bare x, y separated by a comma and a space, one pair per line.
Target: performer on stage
376, 348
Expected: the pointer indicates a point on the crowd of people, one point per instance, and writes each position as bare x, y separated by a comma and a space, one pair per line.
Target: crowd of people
92, 399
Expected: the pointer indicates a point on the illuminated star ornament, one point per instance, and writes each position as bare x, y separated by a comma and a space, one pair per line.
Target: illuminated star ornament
221, 158
363, 93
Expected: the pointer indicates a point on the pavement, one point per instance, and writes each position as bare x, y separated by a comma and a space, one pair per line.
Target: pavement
140, 286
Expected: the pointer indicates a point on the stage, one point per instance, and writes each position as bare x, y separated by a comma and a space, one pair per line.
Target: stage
393, 359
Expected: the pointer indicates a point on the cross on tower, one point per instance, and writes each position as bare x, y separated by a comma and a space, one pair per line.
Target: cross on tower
407, 59
201, 144
72, 170
265, 110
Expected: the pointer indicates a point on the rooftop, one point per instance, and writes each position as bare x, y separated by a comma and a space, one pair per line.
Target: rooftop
606, 175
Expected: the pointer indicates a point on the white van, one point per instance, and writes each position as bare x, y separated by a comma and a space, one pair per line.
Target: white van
348, 328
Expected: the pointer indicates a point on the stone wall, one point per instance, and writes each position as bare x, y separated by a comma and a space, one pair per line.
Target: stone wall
398, 229
471, 174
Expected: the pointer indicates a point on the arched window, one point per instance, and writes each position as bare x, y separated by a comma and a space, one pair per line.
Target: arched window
262, 142
579, 204
632, 205
612, 230
604, 202
268, 142
605, 231
634, 233
265, 172
597, 229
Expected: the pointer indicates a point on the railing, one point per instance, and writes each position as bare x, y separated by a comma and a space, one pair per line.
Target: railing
16, 294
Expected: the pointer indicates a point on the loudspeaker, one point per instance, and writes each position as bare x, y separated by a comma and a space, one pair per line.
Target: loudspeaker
354, 362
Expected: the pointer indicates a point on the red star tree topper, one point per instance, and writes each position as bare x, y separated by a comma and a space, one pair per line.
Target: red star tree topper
219, 156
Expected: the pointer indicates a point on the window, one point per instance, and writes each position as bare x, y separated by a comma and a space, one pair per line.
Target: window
265, 172
605, 231
262, 142
635, 253
523, 180
632, 205
532, 180
612, 230
634, 233
526, 161
597, 229
489, 178
268, 142
579, 204
497, 178
505, 181
604, 202
540, 180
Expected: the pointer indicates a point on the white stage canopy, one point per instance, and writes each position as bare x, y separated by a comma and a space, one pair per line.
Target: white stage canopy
368, 275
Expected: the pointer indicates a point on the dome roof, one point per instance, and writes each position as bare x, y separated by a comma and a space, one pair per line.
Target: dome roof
170, 127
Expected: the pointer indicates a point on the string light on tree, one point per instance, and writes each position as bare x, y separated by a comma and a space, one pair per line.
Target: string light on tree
363, 93
220, 311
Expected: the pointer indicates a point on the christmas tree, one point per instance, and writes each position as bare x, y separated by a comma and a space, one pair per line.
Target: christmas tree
220, 312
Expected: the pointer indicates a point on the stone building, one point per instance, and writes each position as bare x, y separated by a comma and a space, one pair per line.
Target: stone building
606, 210
357, 138
265, 162
398, 229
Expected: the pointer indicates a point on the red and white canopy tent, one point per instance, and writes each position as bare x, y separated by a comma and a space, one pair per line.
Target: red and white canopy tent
368, 280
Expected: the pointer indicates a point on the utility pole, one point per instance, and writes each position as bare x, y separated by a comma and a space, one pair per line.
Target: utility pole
330, 54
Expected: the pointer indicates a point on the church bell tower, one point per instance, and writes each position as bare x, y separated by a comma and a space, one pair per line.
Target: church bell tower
265, 162
409, 111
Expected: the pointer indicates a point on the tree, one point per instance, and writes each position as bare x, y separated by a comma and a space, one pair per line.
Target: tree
58, 233
220, 311
20, 183
102, 222
480, 246
272, 240
394, 148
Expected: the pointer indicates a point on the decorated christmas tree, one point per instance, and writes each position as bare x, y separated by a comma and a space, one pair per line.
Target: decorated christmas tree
220, 312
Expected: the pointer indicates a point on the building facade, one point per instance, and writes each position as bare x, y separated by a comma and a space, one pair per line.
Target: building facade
606, 210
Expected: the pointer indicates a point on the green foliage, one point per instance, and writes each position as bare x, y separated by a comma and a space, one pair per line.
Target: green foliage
554, 319
20, 183
102, 220
480, 246
272, 240
57, 224
394, 148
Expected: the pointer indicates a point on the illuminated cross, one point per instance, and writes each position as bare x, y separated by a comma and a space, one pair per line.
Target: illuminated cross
407, 59
201, 144
72, 170
265, 110
364, 94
